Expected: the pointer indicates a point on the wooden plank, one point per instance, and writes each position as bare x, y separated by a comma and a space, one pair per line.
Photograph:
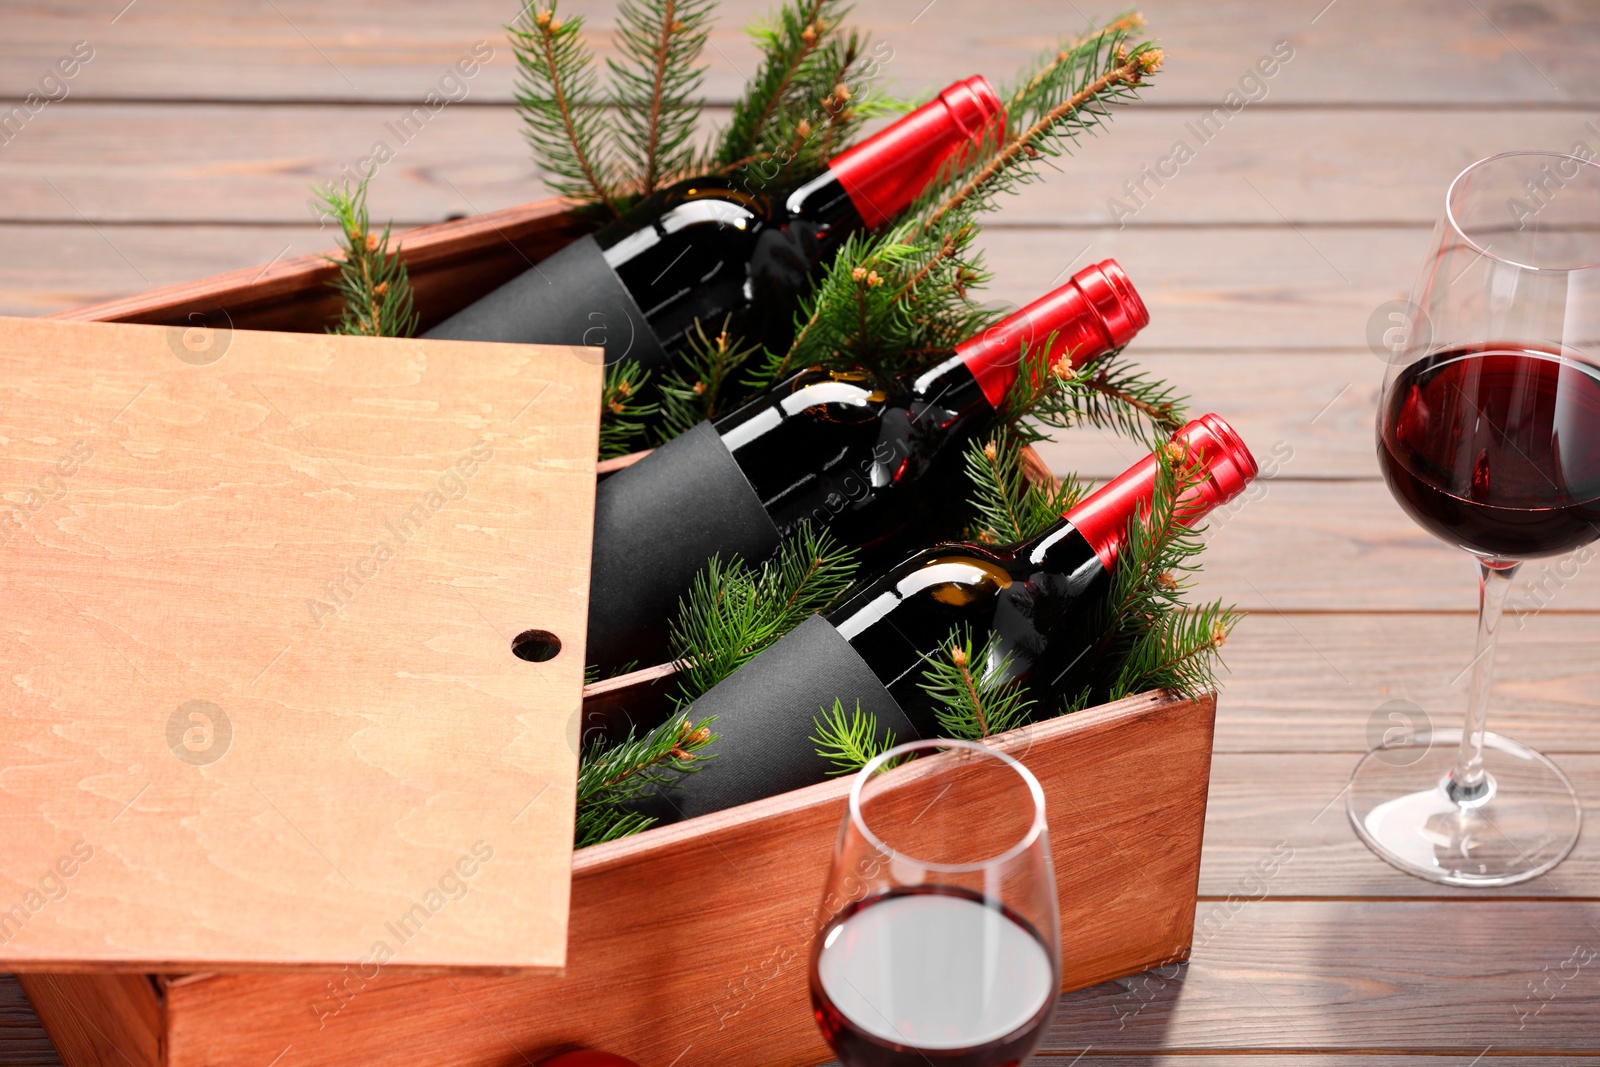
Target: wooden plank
1346, 546
262, 598
1429, 51
1311, 683
23, 1042
1361, 976
103, 1020
1276, 827
1304, 415
241, 164
696, 935
1226, 289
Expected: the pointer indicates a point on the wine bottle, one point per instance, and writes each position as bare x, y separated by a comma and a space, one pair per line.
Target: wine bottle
710, 248
878, 466
1043, 598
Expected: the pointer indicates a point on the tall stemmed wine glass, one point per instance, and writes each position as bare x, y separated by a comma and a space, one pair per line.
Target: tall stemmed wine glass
1489, 437
939, 937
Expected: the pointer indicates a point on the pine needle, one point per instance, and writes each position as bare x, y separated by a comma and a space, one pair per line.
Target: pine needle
610, 776
623, 417
563, 117
733, 610
976, 695
372, 280
850, 741
655, 84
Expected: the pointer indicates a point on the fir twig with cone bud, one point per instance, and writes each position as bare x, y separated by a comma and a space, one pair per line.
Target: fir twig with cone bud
612, 776
624, 418
975, 693
372, 281
1152, 637
563, 116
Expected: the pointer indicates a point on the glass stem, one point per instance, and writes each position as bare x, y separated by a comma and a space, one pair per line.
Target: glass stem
1468, 781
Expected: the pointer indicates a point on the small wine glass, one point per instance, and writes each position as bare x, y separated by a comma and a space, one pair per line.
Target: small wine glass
939, 933
1489, 437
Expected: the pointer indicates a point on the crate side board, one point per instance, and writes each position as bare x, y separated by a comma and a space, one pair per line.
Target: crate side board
450, 264
692, 940
100, 1020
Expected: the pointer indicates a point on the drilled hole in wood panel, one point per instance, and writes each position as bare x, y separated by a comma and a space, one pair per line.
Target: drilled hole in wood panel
536, 646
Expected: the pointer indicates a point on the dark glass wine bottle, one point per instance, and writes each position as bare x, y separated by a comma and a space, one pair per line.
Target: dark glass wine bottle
715, 247
877, 465
1043, 599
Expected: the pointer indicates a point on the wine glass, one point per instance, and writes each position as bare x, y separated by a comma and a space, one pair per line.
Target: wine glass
1489, 437
939, 937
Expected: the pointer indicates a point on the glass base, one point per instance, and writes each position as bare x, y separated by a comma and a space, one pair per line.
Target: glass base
1523, 824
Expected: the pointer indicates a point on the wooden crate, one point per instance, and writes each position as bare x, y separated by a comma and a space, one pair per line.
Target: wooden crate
687, 944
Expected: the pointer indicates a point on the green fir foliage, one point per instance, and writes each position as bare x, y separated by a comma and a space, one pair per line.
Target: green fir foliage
1008, 505
806, 101
849, 740
703, 383
975, 693
611, 776
735, 610
624, 418
655, 85
562, 106
372, 281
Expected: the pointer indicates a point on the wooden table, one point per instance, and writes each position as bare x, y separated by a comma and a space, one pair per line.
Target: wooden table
187, 143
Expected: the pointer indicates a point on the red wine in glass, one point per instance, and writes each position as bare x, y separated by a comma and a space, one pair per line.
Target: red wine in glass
932, 975
1496, 448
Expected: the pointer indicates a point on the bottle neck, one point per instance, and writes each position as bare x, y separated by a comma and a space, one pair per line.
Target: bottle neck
825, 202
887, 172
1103, 517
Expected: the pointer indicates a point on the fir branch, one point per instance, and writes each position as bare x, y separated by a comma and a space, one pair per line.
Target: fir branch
733, 610
610, 776
975, 695
1151, 637
561, 107
1073, 94
696, 388
1010, 506
852, 741
1107, 392
654, 85
622, 414
1023, 103
785, 45
1176, 650
372, 280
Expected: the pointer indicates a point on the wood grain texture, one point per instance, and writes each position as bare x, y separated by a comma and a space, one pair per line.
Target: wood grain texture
1218, 290
1433, 51
1360, 976
696, 936
1312, 682
23, 1041
261, 599
1289, 807
120, 163
104, 1020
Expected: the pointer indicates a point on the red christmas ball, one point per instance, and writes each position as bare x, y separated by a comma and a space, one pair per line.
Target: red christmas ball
589, 1059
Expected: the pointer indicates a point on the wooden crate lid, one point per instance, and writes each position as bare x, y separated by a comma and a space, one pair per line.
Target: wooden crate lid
258, 597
